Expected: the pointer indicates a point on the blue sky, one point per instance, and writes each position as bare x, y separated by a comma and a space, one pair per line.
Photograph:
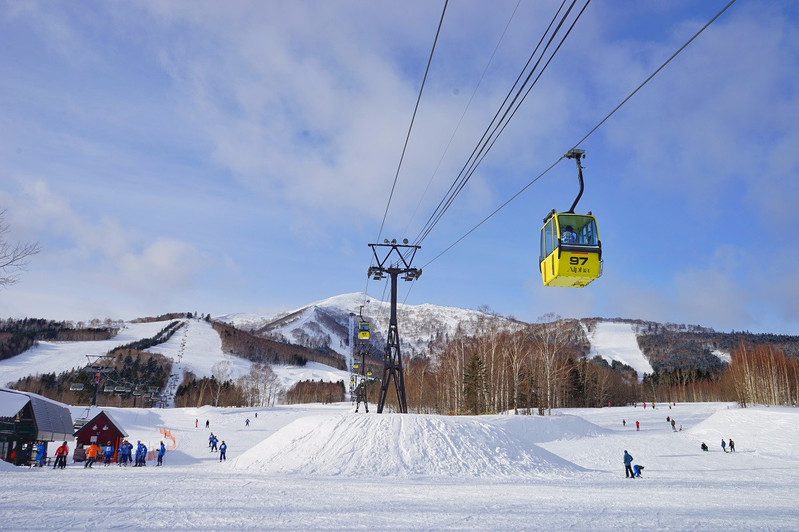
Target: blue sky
229, 157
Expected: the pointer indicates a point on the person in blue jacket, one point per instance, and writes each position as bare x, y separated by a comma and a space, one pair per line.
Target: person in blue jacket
161, 451
628, 468
222, 450
637, 470
41, 454
122, 458
108, 451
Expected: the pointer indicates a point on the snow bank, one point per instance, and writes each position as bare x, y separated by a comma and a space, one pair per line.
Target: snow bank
402, 446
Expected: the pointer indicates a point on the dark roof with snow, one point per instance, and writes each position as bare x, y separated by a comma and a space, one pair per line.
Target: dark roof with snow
52, 419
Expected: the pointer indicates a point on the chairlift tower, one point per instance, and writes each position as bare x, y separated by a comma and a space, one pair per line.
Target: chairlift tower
95, 367
402, 256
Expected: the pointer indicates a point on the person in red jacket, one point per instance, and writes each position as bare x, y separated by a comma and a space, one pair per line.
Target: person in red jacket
61, 456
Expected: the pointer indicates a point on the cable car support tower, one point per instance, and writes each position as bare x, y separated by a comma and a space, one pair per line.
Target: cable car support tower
402, 255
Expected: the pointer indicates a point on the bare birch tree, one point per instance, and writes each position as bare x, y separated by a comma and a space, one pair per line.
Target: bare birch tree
14, 258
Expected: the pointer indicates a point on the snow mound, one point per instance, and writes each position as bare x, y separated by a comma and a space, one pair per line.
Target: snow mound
404, 446
769, 430
539, 429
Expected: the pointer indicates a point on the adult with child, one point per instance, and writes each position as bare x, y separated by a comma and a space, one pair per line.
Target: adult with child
628, 465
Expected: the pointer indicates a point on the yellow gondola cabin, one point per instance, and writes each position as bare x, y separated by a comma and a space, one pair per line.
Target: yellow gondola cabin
571, 252
363, 330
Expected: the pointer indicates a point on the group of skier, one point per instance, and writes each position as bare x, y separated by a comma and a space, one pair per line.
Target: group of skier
212, 443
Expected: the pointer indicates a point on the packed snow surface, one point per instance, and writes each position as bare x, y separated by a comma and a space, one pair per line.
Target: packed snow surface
57, 357
315, 467
617, 341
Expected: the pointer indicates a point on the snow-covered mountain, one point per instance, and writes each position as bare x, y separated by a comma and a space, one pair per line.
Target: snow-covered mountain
331, 322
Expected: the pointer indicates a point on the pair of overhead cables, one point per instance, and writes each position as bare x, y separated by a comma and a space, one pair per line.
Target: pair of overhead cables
524, 83
407, 139
588, 134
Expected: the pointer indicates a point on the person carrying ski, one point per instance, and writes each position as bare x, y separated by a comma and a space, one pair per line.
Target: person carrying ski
222, 451
628, 461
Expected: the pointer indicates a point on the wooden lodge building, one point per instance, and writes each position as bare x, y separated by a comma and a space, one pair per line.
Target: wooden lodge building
101, 429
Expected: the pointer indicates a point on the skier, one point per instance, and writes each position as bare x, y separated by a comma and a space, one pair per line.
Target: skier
623, 422
732, 446
637, 470
211, 440
61, 456
704, 446
91, 454
128, 452
207, 423
247, 422
723, 445
628, 461
109, 453
40, 454
161, 451
637, 425
672, 425
222, 450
